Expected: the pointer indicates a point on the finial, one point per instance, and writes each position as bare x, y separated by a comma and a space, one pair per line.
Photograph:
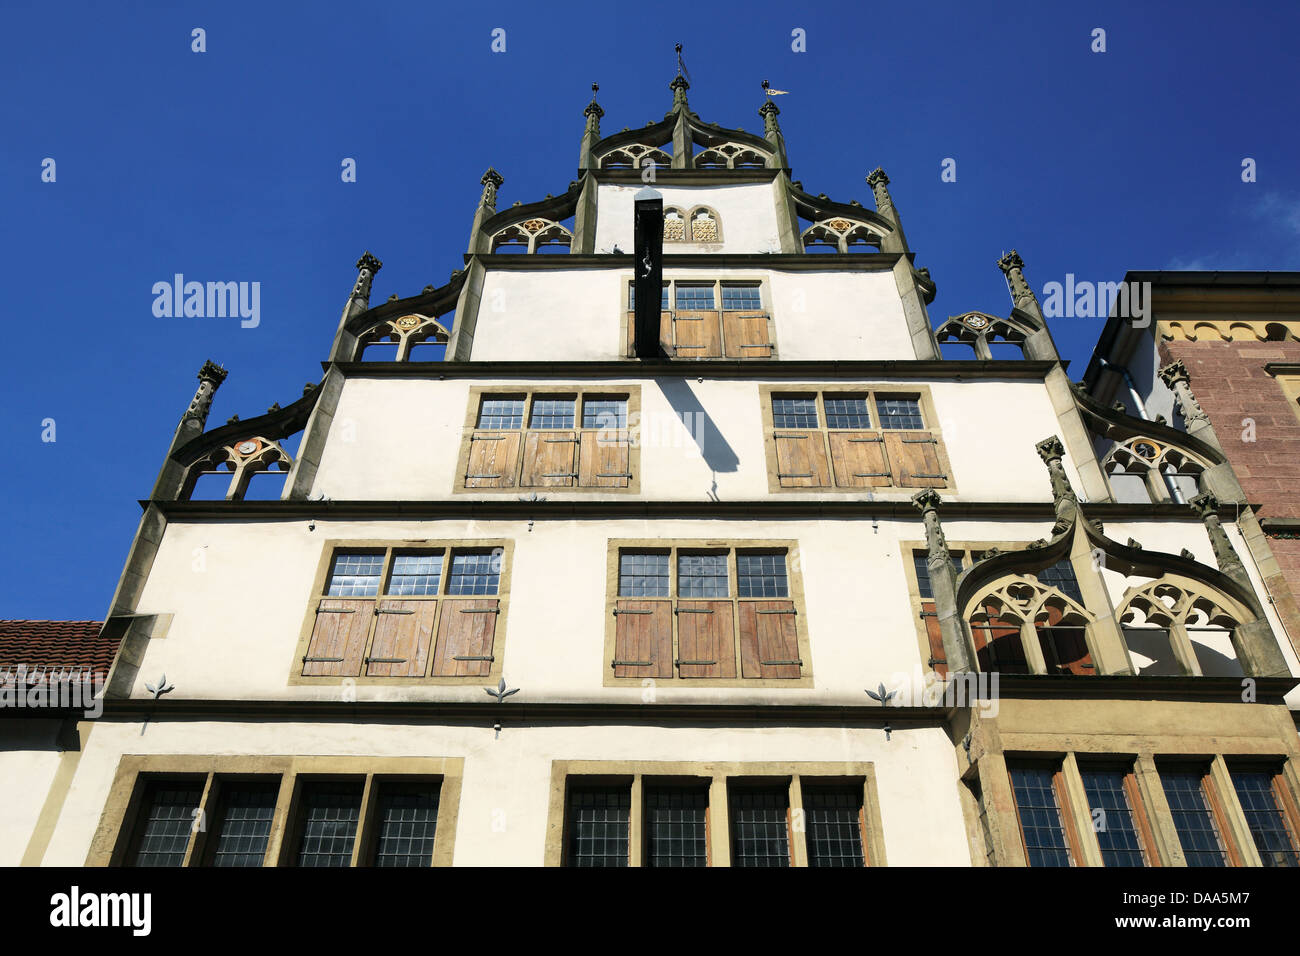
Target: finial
491, 181
367, 261
212, 372
593, 110
493, 177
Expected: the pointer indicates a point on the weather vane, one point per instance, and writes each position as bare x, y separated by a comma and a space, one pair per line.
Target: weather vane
771, 92
681, 65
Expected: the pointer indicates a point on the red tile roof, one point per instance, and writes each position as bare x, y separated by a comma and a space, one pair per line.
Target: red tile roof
55, 645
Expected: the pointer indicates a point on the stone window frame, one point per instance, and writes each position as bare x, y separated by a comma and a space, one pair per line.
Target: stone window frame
332, 546
720, 777
1181, 645
667, 322
119, 819
928, 415
673, 546
969, 549
529, 391
1154, 821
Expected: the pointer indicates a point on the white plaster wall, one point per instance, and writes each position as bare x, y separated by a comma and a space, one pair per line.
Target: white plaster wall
551, 315
826, 316
508, 779
395, 438
239, 612
29, 758
747, 213
578, 314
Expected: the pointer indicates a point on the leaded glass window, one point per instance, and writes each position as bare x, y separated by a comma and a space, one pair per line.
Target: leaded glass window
1040, 815
899, 412
415, 574
832, 816
474, 572
247, 810
702, 576
329, 824
356, 574
170, 810
498, 413
598, 826
761, 575
794, 411
1198, 832
1112, 816
760, 831
642, 574
675, 821
408, 821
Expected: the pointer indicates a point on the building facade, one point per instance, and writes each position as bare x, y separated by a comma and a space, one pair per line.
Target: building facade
791, 589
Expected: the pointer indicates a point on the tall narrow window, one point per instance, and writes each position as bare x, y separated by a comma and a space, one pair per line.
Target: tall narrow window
1039, 809
833, 818
1274, 834
170, 809
330, 815
1194, 819
244, 825
760, 827
408, 823
1113, 815
598, 820
676, 826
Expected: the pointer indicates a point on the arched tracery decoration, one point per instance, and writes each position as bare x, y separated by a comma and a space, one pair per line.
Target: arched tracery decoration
705, 226
1167, 473
243, 459
674, 225
1022, 626
406, 332
731, 156
530, 235
981, 332
634, 156
840, 233
1174, 625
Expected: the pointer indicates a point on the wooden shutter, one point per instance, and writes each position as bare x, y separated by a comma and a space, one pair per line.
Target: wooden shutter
745, 334
859, 459
643, 638
403, 634
339, 638
915, 460
550, 460
665, 332
998, 646
493, 459
801, 459
605, 460
705, 639
938, 656
697, 334
466, 632
769, 640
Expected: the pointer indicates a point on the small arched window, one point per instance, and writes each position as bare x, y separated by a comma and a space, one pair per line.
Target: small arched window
705, 226
674, 226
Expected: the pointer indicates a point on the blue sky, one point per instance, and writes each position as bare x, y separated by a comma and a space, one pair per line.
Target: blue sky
225, 165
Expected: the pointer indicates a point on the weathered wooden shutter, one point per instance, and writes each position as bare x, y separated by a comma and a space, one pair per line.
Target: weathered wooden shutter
493, 460
665, 332
705, 639
769, 640
745, 335
550, 460
859, 459
643, 638
605, 460
697, 334
938, 656
801, 459
466, 634
915, 460
403, 635
338, 639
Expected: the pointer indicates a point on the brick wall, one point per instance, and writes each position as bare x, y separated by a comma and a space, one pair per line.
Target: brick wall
1229, 381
